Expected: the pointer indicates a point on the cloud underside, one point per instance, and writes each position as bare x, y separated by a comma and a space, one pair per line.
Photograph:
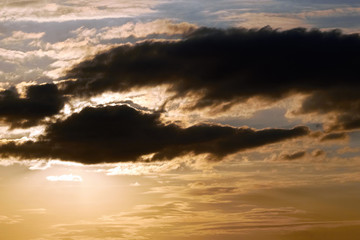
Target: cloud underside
40, 101
121, 133
224, 67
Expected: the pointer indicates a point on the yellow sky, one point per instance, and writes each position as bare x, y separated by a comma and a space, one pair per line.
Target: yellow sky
231, 200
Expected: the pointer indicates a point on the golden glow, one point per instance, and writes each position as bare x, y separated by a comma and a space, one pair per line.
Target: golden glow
300, 189
233, 198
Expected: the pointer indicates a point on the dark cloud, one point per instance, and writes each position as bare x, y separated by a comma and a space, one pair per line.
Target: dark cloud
121, 133
225, 67
40, 101
221, 68
318, 153
334, 136
293, 156
343, 103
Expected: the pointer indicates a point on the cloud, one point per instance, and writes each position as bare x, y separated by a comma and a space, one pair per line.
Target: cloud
40, 101
189, 218
60, 11
10, 220
334, 136
294, 156
342, 101
318, 153
33, 210
65, 178
19, 36
275, 20
331, 12
348, 149
222, 68
121, 133
142, 30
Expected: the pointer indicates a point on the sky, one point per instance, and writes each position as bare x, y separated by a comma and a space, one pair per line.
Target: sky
178, 119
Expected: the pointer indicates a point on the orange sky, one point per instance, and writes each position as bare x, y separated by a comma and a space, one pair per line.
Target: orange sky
197, 120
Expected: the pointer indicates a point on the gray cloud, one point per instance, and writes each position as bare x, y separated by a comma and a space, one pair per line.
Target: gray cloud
334, 136
293, 156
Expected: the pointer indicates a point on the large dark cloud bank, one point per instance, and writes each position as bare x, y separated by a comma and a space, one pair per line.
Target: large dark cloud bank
220, 67
225, 67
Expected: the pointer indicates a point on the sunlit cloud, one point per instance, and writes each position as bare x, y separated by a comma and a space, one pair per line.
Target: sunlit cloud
65, 178
141, 30
135, 184
142, 168
60, 11
275, 20
43, 164
19, 36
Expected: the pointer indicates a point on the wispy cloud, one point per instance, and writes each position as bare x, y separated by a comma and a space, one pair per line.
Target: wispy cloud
14, 219
65, 178
73, 10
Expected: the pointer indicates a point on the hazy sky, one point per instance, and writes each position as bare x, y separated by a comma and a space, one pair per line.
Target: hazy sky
178, 119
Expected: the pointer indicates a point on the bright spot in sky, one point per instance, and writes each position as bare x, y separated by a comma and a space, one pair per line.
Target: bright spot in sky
135, 184
65, 178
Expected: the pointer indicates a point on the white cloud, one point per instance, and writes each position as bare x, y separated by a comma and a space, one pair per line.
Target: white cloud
18, 36
140, 168
65, 178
